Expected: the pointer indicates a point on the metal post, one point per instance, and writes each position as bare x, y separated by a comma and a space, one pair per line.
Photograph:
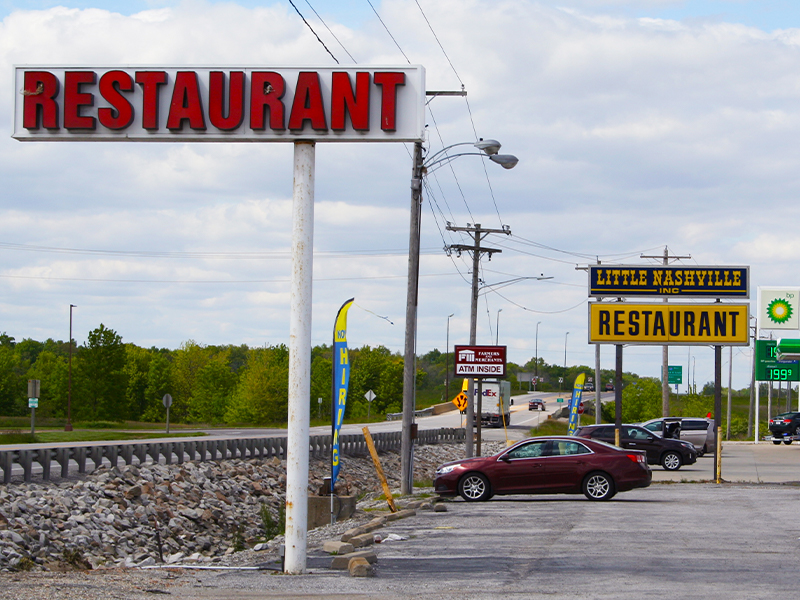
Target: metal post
409, 357
497, 328
730, 381
536, 364
299, 358
478, 414
565, 350
597, 404
718, 410
473, 329
618, 394
665, 363
757, 415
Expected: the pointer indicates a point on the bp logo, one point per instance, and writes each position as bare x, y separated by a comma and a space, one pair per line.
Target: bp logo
779, 311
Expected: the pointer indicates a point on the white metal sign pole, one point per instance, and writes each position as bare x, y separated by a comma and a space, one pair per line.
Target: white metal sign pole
299, 359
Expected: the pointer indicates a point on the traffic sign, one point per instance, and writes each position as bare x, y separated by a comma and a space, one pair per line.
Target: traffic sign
559, 400
769, 368
370, 395
167, 400
461, 401
33, 403
674, 374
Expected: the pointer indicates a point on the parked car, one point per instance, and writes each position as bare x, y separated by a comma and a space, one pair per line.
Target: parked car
536, 404
784, 426
546, 465
670, 454
609, 387
697, 430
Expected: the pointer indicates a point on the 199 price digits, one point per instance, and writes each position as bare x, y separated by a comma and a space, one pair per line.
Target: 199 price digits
778, 374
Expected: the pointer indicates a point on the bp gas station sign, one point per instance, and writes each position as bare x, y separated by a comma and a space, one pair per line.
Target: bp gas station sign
768, 365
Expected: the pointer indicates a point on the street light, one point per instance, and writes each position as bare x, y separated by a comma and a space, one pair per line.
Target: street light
565, 349
68, 426
497, 327
419, 167
447, 362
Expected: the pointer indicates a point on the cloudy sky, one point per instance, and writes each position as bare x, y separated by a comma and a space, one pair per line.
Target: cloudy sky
638, 125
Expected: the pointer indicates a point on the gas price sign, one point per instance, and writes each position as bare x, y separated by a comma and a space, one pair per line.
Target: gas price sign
768, 368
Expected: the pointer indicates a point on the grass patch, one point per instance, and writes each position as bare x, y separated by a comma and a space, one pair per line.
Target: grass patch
550, 427
17, 437
423, 483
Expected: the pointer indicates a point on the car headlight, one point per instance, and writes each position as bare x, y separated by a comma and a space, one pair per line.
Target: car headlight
687, 445
445, 470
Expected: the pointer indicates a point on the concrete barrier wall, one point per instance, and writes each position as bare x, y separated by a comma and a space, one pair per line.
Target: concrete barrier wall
200, 449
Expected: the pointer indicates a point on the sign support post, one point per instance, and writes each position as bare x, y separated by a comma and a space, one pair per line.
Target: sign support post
299, 358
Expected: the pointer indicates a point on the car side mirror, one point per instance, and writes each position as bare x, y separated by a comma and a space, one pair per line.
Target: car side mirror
505, 458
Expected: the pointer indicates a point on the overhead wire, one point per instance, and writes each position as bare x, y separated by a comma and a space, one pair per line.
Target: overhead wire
389, 32
331, 32
297, 10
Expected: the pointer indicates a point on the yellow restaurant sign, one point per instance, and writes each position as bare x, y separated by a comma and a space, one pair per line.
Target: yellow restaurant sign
659, 324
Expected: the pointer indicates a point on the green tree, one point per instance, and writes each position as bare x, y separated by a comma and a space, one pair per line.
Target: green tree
214, 386
137, 366
189, 360
262, 396
159, 383
100, 377
52, 371
641, 400
12, 386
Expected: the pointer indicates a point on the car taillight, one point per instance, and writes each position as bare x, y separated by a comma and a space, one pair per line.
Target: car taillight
637, 458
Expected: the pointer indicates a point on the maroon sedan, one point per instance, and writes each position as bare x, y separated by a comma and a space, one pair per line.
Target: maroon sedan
546, 465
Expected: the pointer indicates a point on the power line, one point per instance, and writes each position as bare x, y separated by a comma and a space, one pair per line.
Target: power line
387, 31
211, 281
312, 31
331, 32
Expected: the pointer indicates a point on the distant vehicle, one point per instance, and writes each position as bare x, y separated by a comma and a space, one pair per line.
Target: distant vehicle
589, 386
495, 404
609, 387
670, 454
784, 427
546, 465
536, 404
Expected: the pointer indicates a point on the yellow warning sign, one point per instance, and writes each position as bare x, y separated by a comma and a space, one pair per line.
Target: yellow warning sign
689, 324
461, 401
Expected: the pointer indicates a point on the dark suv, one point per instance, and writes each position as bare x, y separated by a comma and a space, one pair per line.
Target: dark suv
670, 454
784, 426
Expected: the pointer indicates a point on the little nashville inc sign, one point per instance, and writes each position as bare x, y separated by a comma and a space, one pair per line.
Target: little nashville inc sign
383, 104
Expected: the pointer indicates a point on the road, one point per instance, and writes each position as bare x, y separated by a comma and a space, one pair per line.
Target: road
715, 542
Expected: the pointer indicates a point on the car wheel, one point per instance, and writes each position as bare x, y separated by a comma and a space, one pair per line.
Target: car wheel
598, 486
787, 442
776, 442
474, 487
671, 461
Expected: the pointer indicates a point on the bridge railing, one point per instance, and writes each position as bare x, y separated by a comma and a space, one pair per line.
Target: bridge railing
201, 449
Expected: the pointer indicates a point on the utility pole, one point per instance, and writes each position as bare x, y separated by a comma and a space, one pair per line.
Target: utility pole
409, 361
665, 350
478, 234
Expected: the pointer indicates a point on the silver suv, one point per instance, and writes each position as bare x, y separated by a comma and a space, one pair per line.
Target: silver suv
696, 430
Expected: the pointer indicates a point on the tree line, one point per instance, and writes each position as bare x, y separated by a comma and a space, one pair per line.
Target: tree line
226, 384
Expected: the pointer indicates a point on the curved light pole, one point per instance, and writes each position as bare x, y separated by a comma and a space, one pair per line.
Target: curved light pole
497, 328
420, 166
565, 349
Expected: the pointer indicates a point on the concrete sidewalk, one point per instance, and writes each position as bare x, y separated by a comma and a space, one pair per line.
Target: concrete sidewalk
745, 462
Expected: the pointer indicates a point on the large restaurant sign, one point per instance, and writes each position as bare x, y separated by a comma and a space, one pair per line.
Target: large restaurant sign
265, 104
673, 324
687, 282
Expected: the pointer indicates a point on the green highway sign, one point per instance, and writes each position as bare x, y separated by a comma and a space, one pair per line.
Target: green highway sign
769, 368
675, 374
559, 400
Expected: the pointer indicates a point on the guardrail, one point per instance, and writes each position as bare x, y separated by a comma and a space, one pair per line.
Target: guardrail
201, 449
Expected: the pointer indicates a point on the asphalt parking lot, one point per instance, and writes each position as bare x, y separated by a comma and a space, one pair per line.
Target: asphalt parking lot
684, 540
